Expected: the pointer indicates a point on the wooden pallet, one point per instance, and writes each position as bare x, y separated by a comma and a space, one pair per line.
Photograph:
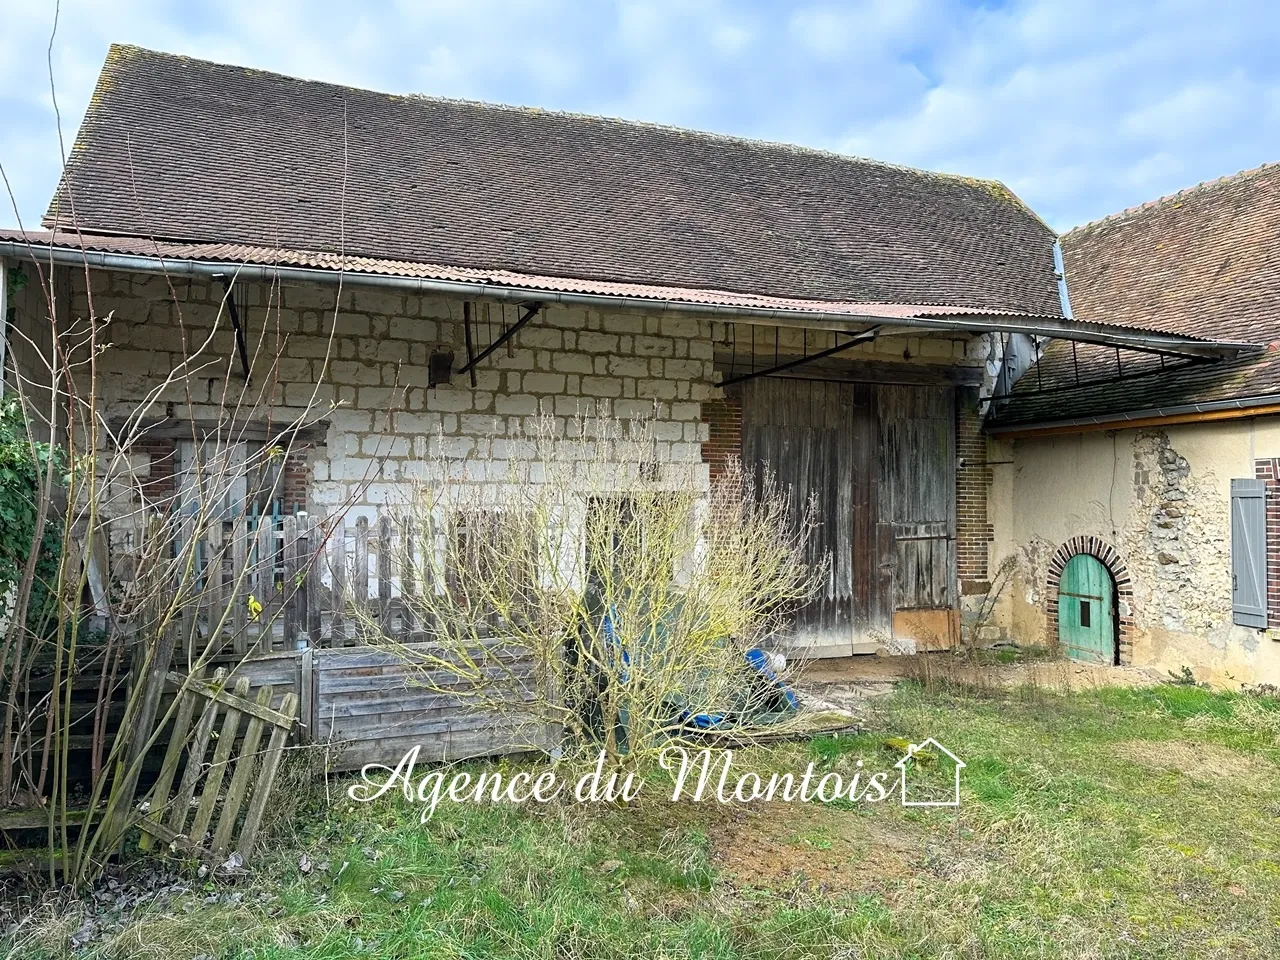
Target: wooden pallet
211, 832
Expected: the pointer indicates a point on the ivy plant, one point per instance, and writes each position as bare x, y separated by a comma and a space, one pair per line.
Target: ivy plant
22, 471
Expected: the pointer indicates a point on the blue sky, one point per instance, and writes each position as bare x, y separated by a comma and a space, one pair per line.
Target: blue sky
1083, 107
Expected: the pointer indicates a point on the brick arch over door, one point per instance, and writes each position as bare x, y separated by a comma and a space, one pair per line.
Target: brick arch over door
1111, 559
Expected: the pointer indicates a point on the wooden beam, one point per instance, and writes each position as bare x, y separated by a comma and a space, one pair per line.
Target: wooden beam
1212, 416
214, 692
174, 428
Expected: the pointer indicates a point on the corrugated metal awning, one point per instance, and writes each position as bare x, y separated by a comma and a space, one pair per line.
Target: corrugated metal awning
179, 258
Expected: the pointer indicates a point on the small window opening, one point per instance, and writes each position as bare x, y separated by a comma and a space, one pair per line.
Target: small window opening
1085, 614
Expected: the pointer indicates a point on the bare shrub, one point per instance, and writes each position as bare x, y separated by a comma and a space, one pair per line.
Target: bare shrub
591, 599
122, 581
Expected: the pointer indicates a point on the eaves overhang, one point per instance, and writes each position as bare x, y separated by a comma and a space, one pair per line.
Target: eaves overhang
247, 262
1210, 410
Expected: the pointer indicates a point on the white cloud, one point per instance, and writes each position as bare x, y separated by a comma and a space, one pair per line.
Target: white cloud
878, 28
1088, 107
1082, 106
729, 39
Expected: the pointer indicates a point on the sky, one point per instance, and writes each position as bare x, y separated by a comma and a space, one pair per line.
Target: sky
1081, 107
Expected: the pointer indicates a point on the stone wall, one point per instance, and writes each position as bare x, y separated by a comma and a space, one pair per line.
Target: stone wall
362, 369
1158, 500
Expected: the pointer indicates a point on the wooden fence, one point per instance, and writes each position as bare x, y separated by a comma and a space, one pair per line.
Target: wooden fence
279, 583
368, 704
216, 823
304, 607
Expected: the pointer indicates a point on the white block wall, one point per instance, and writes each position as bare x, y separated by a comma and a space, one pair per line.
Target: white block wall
361, 366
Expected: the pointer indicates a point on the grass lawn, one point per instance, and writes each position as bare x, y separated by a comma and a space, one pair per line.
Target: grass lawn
1112, 823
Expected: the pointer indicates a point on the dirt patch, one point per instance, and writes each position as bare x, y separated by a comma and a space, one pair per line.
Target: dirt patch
865, 676
1066, 676
1201, 762
778, 845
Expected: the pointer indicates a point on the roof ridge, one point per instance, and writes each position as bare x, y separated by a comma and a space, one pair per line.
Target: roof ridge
709, 135
1204, 186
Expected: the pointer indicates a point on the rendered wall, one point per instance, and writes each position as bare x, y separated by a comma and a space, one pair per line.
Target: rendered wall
1161, 499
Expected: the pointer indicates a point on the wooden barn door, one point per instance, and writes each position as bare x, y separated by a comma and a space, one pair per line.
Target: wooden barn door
917, 503
818, 439
878, 461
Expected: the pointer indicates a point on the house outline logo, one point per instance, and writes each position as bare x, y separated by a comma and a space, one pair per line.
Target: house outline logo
906, 761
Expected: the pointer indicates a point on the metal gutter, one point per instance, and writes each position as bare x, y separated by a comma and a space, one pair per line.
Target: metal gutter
1151, 413
1063, 328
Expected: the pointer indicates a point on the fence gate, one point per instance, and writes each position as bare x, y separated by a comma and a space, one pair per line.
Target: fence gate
170, 818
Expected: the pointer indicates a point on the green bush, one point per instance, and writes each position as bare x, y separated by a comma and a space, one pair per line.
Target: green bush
23, 464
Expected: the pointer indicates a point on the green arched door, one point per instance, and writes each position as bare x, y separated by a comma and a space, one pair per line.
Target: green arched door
1086, 611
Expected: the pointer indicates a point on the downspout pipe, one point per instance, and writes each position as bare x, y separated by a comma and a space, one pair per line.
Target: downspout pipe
1024, 351
4, 320
828, 319
1060, 271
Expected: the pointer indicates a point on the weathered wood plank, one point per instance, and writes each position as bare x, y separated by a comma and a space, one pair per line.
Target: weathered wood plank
384, 572
409, 566
338, 579
241, 778
218, 765
860, 371
290, 580
306, 695
427, 725
266, 779
172, 757
187, 552
917, 457
450, 745
386, 704
360, 573
154, 670
315, 554
380, 681
181, 806
265, 579
240, 577
220, 695
801, 432
212, 593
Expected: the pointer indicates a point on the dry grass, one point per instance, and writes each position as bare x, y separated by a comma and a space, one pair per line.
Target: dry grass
1202, 762
1103, 823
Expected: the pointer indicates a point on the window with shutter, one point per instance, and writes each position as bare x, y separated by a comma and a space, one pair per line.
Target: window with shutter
1249, 553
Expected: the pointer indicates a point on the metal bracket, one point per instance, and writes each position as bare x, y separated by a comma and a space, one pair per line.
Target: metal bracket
235, 323
857, 338
472, 362
1121, 376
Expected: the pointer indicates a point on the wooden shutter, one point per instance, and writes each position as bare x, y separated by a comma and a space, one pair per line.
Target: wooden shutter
1249, 553
212, 478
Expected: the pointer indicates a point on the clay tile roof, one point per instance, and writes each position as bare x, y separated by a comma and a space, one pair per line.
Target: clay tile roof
187, 150
1205, 262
